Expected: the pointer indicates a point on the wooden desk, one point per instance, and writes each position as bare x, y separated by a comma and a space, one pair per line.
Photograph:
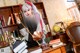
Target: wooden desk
60, 49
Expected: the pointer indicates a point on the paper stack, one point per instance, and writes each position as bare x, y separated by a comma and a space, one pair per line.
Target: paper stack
20, 1
55, 43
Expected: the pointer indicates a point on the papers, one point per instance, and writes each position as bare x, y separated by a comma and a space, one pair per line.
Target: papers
37, 51
2, 3
54, 41
57, 45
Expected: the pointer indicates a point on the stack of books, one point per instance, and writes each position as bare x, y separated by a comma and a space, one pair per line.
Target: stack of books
20, 47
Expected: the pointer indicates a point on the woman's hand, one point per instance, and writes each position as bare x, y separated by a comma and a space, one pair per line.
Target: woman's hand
37, 36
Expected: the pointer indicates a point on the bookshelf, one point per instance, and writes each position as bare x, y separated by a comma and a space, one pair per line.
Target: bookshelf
9, 28
8, 10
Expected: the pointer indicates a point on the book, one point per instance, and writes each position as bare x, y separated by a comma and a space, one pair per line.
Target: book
17, 18
56, 41
16, 33
57, 45
2, 20
9, 20
19, 46
12, 19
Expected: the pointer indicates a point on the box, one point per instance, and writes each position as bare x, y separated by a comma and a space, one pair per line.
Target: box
6, 50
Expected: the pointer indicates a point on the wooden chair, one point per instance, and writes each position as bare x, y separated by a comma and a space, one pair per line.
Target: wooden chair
73, 31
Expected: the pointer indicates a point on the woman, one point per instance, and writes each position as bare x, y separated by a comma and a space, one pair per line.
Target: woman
32, 20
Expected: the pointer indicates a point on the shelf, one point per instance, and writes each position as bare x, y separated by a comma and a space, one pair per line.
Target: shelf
9, 28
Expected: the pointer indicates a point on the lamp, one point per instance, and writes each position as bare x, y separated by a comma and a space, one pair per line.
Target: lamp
60, 30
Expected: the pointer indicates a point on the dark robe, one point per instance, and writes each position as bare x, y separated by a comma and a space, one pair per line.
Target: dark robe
32, 26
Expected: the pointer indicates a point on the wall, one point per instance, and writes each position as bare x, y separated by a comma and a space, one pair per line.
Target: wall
10, 2
56, 11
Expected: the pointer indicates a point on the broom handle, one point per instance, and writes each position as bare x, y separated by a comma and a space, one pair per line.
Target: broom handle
29, 32
27, 28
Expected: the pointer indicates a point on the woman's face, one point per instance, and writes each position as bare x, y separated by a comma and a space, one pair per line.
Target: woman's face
28, 13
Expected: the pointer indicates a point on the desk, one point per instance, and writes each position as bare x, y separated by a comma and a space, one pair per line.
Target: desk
59, 49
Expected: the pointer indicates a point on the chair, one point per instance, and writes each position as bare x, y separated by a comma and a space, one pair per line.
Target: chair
73, 32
